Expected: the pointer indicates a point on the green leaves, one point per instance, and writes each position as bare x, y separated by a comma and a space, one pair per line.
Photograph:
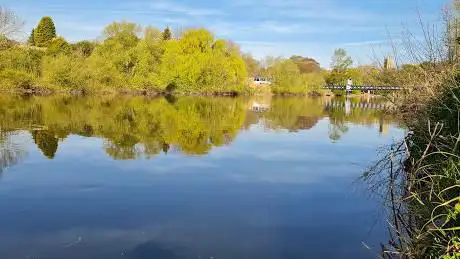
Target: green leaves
167, 35
58, 46
199, 63
130, 59
31, 39
45, 32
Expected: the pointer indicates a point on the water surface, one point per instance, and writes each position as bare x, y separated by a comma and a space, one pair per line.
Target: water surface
189, 177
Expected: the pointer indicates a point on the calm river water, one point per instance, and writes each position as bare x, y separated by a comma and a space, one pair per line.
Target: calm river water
190, 177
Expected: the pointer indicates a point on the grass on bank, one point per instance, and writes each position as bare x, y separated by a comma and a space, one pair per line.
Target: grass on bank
420, 177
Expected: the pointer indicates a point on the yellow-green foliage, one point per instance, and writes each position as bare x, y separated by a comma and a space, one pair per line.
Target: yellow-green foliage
129, 58
19, 68
130, 126
149, 52
135, 126
64, 71
199, 63
287, 79
295, 113
10, 79
58, 46
26, 60
364, 75
315, 82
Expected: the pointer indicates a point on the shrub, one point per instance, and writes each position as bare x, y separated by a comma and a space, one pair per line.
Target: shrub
6, 43
102, 74
27, 60
315, 83
15, 79
287, 79
84, 48
64, 72
339, 92
58, 46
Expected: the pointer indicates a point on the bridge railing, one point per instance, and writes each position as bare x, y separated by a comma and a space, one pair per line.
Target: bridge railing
364, 88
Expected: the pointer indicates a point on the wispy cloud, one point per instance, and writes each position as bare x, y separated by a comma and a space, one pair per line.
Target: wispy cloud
365, 43
264, 27
183, 9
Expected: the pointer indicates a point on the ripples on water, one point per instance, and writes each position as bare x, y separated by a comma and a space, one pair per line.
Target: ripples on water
189, 177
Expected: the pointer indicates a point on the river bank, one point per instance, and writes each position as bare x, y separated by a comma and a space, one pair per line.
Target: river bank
419, 177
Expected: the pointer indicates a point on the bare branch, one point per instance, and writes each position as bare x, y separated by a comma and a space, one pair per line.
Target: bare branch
10, 24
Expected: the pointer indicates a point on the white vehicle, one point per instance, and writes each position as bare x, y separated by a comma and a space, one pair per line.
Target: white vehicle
262, 81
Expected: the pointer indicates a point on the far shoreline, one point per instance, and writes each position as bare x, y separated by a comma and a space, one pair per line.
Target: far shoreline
153, 93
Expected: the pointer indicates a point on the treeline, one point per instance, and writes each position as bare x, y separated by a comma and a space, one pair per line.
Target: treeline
297, 74
126, 57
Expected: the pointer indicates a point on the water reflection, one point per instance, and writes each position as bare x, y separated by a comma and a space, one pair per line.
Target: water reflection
256, 177
134, 127
11, 152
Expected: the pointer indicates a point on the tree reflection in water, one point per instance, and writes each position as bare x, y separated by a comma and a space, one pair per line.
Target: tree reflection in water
134, 127
11, 152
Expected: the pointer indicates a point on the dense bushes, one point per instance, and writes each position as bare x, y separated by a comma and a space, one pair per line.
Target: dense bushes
199, 63
288, 79
10, 78
58, 46
64, 71
128, 58
19, 68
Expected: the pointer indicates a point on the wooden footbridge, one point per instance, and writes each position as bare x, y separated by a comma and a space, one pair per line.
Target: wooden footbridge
364, 88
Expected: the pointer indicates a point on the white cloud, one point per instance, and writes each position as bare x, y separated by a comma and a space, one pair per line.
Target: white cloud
183, 9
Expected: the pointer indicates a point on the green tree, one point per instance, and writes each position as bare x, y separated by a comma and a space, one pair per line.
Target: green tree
167, 34
45, 32
199, 63
252, 65
84, 48
58, 46
340, 60
152, 35
124, 33
306, 65
286, 78
31, 40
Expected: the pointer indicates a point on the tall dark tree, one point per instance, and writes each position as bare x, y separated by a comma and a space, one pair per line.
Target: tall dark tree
167, 34
31, 39
45, 32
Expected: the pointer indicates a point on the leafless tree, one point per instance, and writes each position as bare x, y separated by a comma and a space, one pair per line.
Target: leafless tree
10, 24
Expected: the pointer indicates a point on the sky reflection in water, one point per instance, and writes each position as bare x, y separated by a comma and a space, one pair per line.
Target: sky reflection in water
193, 177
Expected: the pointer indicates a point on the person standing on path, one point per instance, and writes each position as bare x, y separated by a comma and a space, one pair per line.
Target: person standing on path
349, 85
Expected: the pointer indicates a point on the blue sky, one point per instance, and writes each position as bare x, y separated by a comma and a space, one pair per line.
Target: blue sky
311, 28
